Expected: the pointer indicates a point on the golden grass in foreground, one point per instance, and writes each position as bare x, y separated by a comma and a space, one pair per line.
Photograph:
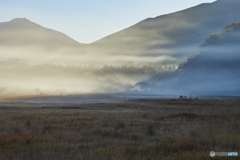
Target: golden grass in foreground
144, 129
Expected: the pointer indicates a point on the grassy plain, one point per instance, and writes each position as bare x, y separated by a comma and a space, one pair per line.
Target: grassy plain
163, 129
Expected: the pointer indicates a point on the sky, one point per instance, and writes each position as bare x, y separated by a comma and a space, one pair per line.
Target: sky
90, 20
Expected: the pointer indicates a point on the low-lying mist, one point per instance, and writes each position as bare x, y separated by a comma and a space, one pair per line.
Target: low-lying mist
213, 70
57, 79
145, 58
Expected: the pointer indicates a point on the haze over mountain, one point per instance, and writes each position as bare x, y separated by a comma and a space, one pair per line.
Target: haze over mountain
214, 71
23, 40
22, 32
167, 39
164, 40
37, 60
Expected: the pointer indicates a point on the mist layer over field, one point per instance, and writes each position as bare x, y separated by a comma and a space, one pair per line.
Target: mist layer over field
213, 69
56, 79
140, 59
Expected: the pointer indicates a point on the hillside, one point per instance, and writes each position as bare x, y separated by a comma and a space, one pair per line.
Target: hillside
36, 60
230, 35
22, 32
21, 39
164, 40
168, 38
219, 50
216, 70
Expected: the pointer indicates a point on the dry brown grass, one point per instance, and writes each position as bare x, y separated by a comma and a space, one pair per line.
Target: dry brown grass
158, 129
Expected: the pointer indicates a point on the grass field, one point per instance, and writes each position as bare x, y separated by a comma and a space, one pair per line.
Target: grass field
162, 129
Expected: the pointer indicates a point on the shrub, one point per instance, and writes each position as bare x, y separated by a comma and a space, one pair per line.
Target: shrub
150, 129
120, 124
134, 136
28, 123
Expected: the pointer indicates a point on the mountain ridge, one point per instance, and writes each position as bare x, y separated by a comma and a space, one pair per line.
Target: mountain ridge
23, 27
165, 39
175, 34
217, 67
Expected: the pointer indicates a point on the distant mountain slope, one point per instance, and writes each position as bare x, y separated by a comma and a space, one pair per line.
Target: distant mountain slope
220, 50
22, 32
21, 39
229, 36
216, 70
24, 41
164, 40
169, 38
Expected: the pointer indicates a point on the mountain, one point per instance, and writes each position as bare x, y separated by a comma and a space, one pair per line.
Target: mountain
164, 40
22, 32
214, 71
167, 39
37, 60
21, 39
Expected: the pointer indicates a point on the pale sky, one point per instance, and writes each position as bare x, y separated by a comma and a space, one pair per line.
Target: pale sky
87, 21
